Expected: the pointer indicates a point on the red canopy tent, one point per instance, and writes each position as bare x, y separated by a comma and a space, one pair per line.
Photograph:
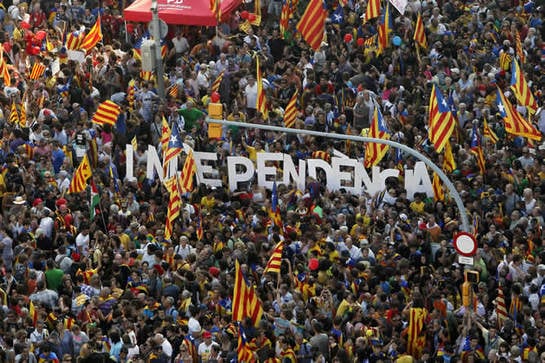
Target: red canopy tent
179, 12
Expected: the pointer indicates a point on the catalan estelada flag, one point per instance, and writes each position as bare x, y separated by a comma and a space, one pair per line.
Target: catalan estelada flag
37, 71
312, 23
416, 337
106, 113
374, 152
175, 145
520, 87
246, 303
291, 111
441, 122
419, 33
515, 124
81, 175
244, 353
93, 37
74, 40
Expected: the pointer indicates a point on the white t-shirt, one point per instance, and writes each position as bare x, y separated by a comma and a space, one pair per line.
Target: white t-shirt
82, 243
251, 95
205, 350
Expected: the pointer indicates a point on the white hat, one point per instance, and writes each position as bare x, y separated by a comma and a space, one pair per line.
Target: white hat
19, 200
403, 217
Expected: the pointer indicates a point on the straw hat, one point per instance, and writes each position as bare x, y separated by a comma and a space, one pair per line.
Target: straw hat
19, 200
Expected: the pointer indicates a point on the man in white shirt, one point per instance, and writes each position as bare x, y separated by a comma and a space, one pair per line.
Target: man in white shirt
159, 339
82, 241
205, 347
63, 182
250, 91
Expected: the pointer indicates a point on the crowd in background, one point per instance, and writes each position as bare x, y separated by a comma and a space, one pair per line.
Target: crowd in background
81, 283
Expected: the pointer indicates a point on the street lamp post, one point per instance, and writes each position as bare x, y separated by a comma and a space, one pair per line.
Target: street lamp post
156, 28
451, 188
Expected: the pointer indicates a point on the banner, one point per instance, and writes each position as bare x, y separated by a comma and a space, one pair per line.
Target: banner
340, 173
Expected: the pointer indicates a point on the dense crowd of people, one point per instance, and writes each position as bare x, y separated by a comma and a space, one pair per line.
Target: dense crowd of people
84, 282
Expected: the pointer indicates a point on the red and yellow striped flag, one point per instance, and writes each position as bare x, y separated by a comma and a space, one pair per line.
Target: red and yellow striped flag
106, 113
261, 97
372, 11
174, 205
324, 155
146, 75
501, 309
518, 47
22, 114
93, 37
515, 124
437, 186
416, 337
131, 90
74, 40
384, 30
215, 8
165, 134
419, 33
505, 60
188, 172
81, 175
488, 132
68, 322
37, 71
449, 164
217, 82
4, 72
32, 313
520, 87
312, 24
374, 152
441, 121
246, 303
291, 111
13, 114
275, 261
173, 91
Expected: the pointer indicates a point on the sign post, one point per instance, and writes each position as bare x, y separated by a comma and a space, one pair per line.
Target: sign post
466, 245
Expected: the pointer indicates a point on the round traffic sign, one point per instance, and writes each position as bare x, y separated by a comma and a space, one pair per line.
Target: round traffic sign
465, 244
